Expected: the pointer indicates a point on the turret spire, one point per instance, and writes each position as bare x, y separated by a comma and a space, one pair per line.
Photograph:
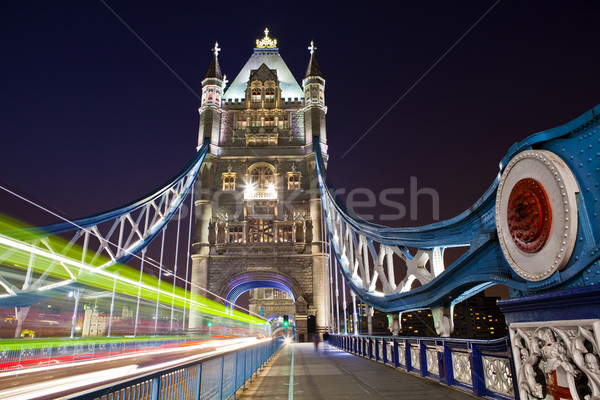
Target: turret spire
313, 66
214, 70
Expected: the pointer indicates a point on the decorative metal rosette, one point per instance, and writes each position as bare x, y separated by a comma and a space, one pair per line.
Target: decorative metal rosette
536, 214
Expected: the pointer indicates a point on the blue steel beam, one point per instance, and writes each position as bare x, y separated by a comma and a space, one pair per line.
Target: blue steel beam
577, 143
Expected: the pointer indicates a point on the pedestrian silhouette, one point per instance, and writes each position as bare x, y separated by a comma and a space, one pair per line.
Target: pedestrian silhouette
316, 341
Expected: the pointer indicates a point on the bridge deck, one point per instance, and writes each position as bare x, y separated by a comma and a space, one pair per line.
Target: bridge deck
334, 374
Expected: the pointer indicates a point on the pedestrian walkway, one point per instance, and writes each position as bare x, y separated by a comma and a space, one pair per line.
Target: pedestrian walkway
297, 372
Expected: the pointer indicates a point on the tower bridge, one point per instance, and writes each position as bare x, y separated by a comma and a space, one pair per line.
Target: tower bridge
266, 220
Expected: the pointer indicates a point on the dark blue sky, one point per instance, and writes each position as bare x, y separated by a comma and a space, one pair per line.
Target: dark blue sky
91, 119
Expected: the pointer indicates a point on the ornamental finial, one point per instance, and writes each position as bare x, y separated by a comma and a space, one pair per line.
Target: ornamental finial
266, 42
312, 48
216, 49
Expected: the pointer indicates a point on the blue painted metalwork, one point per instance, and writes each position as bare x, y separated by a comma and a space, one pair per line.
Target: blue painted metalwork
462, 363
577, 143
213, 378
119, 235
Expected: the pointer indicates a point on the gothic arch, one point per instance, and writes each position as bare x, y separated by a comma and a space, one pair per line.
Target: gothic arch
245, 281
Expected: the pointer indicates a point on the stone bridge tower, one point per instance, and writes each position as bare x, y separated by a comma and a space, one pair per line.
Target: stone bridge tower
257, 204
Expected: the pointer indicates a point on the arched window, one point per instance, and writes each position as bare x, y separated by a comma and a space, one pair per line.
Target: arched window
229, 181
256, 95
260, 184
293, 180
270, 95
262, 175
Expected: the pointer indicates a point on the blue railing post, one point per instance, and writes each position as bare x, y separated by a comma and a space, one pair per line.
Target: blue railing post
447, 363
155, 393
477, 372
423, 358
199, 383
395, 353
235, 374
407, 359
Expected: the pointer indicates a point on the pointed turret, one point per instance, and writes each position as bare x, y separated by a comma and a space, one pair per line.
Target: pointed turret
210, 107
214, 70
314, 100
313, 66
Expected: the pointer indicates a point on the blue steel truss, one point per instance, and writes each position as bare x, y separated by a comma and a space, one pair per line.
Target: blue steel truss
105, 240
369, 255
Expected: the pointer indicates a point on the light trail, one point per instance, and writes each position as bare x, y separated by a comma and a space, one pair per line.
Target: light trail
82, 382
15, 244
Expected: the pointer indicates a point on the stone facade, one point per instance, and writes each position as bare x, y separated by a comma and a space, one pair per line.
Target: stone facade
257, 203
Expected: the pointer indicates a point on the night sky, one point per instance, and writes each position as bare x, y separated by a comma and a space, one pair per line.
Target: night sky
91, 119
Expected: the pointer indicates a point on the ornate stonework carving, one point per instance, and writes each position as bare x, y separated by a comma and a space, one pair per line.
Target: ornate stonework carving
557, 359
498, 377
432, 361
301, 305
461, 367
415, 357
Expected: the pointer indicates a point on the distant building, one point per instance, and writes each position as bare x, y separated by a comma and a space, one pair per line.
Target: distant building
479, 317
417, 323
379, 320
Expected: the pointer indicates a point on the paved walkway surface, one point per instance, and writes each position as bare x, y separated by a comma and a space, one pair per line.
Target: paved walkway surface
297, 372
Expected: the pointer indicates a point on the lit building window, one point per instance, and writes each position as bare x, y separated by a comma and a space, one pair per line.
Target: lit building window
262, 176
280, 294
255, 120
284, 123
293, 180
260, 231
285, 233
236, 234
269, 120
270, 95
228, 181
256, 95
241, 122
261, 182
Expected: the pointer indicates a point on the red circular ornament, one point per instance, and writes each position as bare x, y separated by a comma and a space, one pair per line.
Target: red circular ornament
529, 215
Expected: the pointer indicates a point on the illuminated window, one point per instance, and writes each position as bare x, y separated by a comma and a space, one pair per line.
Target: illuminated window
293, 180
255, 120
256, 95
228, 181
269, 120
262, 176
236, 233
285, 233
241, 122
280, 294
260, 231
270, 95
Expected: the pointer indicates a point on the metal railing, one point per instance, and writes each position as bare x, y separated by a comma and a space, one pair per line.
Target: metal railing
216, 377
483, 367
